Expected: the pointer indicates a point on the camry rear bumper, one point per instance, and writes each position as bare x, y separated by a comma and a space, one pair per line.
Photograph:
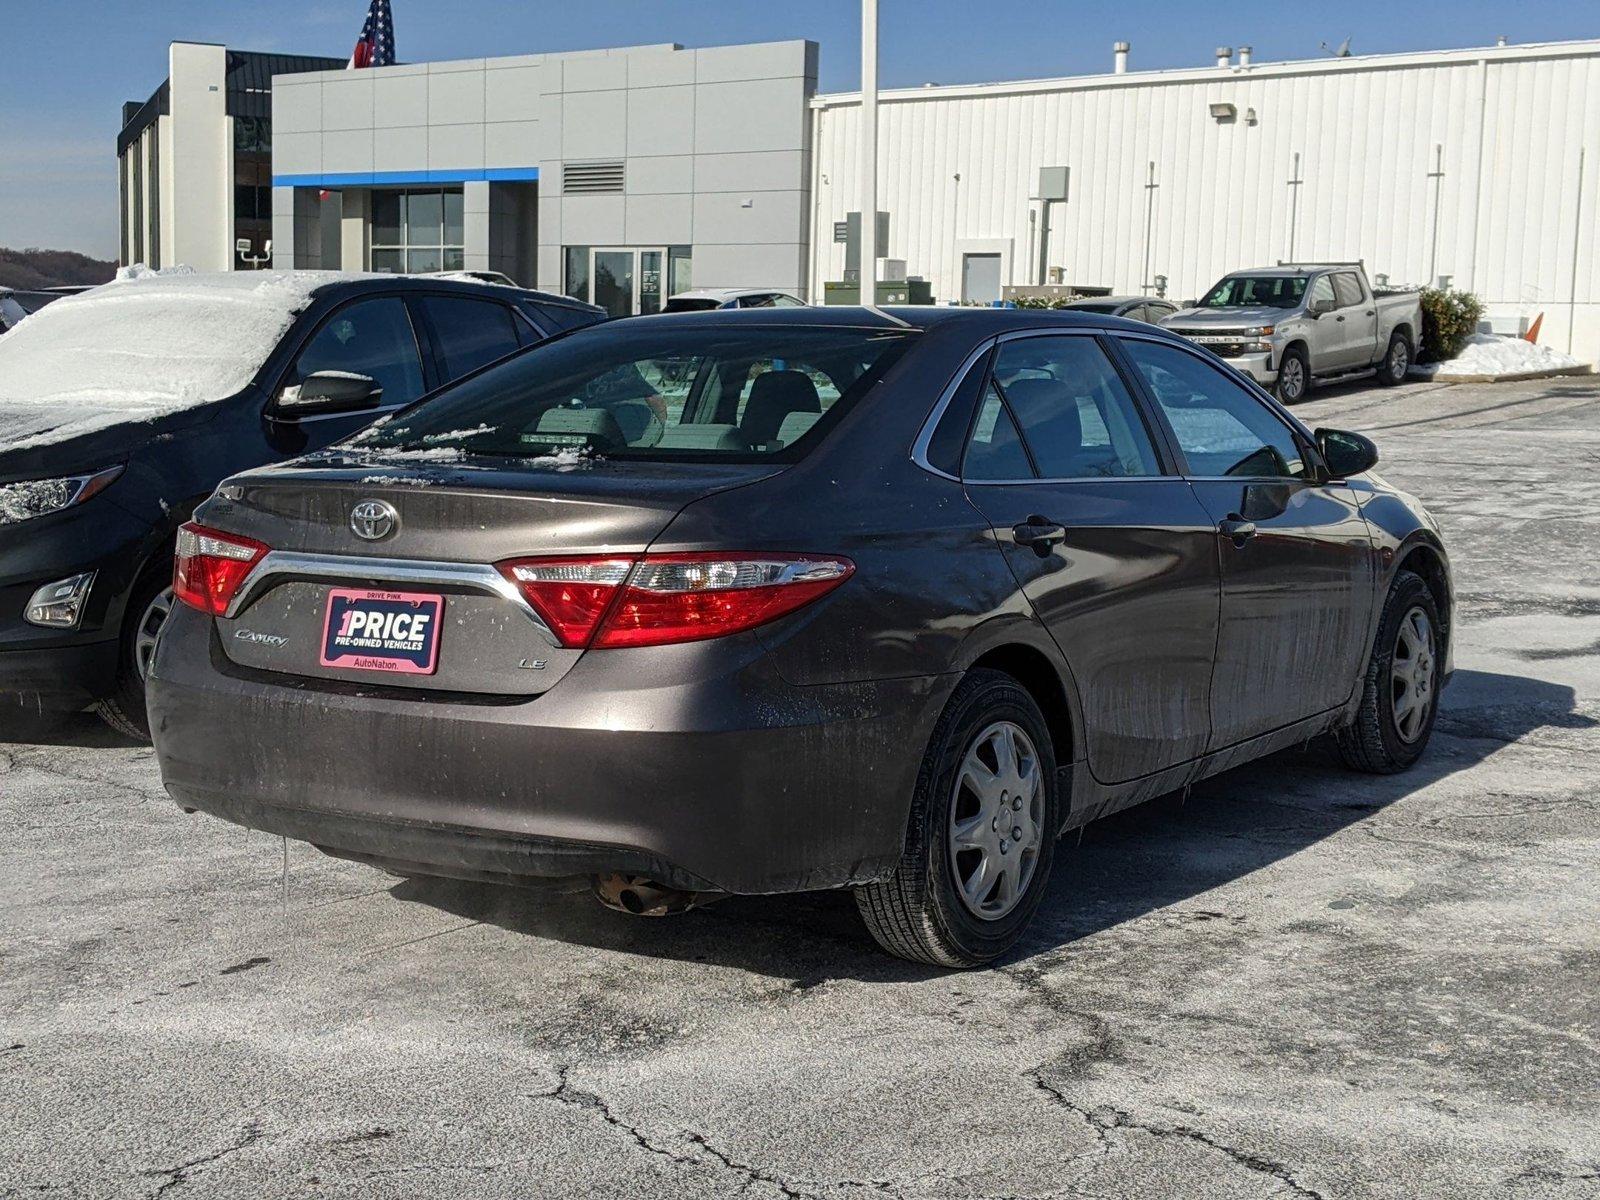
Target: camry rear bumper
723, 778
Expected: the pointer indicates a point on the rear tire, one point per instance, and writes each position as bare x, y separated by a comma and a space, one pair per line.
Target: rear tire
948, 902
1396, 361
1294, 377
1400, 691
148, 606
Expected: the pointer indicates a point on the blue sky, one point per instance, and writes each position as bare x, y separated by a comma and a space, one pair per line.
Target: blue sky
66, 66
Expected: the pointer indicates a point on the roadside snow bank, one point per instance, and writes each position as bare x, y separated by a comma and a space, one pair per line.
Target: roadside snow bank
146, 345
1487, 354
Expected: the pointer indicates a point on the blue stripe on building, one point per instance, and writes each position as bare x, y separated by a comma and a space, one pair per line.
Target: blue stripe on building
339, 179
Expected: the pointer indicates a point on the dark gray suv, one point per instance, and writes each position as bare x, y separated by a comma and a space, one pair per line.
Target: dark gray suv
779, 600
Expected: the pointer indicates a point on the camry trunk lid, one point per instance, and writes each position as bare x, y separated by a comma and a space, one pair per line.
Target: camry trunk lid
384, 574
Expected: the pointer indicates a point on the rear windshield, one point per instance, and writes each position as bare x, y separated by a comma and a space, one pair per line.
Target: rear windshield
1256, 291
691, 304
747, 394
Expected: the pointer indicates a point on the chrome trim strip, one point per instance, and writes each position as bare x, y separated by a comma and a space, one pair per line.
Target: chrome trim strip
311, 418
286, 564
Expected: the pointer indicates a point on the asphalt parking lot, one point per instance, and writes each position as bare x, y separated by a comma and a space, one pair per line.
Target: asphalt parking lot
1298, 983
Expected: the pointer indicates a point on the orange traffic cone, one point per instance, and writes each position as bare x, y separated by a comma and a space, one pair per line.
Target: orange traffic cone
1533, 330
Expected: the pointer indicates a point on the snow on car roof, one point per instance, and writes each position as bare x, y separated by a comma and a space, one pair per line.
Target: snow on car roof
149, 344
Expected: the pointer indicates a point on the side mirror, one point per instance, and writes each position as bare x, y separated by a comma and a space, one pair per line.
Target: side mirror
329, 392
1346, 454
1318, 307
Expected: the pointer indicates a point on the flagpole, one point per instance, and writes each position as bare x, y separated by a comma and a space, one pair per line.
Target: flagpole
869, 152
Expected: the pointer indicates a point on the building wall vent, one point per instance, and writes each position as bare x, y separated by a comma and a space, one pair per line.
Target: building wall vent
598, 177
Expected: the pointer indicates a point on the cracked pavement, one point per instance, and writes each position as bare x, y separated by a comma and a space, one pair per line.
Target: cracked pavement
1297, 982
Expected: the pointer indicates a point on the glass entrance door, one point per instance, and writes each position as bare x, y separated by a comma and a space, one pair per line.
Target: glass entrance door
627, 281
615, 276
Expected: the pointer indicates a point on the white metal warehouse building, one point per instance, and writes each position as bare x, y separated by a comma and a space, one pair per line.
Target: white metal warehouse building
1481, 165
722, 166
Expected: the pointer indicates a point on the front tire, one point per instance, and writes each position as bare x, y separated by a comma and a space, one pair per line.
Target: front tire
981, 837
148, 606
1396, 361
1400, 691
1294, 376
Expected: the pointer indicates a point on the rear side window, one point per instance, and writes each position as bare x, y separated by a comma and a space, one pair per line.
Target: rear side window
666, 393
1221, 428
471, 333
371, 338
1347, 288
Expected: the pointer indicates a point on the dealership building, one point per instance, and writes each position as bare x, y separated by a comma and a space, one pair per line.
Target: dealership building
623, 176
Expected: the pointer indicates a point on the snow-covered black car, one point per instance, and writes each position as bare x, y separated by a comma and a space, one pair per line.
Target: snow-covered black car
121, 409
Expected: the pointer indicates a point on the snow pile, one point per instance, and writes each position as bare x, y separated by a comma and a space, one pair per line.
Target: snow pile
153, 343
140, 271
1486, 354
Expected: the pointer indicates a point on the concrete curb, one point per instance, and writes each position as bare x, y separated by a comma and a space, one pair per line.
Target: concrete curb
1512, 377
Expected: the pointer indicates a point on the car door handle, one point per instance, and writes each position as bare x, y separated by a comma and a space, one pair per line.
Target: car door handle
1237, 528
1039, 532
1372, 312
1340, 317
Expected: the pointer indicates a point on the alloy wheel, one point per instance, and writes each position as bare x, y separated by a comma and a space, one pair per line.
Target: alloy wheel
144, 634
1399, 361
1412, 674
1294, 379
996, 821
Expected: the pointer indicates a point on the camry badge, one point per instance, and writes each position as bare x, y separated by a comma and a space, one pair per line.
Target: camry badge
374, 520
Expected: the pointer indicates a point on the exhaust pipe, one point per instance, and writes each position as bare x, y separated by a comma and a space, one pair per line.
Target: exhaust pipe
1224, 57
642, 897
1119, 58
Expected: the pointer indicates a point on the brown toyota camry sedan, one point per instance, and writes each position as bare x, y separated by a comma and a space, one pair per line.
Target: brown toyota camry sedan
788, 599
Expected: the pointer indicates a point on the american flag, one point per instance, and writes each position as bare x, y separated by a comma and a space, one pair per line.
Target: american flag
376, 47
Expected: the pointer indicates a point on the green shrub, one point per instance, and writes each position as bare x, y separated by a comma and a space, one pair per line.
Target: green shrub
1449, 318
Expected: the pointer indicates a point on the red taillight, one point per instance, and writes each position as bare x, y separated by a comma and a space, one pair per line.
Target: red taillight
609, 602
210, 565
571, 594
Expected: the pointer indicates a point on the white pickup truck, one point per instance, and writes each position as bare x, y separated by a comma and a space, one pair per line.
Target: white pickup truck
1288, 325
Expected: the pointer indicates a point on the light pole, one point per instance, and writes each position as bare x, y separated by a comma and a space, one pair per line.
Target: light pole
869, 151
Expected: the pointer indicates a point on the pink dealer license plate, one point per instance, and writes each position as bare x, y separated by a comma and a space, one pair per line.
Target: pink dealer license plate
394, 632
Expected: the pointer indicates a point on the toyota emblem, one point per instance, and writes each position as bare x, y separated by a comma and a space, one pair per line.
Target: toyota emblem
374, 520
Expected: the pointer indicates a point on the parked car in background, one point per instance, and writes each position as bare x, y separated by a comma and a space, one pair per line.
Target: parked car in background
1289, 325
120, 410
771, 601
1134, 308
708, 299
11, 310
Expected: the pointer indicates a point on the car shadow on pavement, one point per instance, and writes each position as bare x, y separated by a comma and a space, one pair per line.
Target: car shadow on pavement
1155, 856
82, 729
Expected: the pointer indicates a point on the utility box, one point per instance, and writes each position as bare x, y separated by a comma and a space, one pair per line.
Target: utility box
906, 291
1053, 183
852, 241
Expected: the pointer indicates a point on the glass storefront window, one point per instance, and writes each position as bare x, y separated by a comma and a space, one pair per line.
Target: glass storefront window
387, 229
418, 231
454, 221
576, 282
678, 271
425, 218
